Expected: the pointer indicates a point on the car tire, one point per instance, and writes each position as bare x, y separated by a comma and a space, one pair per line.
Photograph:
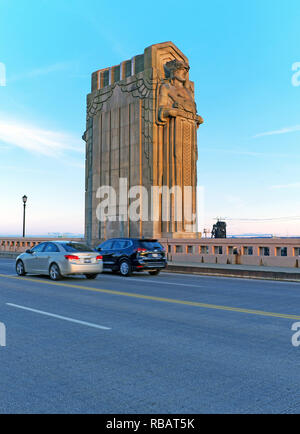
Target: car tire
54, 272
91, 276
20, 269
154, 272
125, 268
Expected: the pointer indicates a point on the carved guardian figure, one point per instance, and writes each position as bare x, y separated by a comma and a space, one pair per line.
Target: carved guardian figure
177, 113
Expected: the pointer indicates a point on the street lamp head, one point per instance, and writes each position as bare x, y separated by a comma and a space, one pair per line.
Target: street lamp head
24, 199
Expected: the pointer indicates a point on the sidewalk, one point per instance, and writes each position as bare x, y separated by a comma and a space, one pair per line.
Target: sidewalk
246, 271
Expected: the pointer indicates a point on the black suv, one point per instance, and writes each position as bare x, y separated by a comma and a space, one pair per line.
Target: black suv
132, 254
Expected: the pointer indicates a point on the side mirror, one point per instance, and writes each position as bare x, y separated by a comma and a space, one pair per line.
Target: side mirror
98, 249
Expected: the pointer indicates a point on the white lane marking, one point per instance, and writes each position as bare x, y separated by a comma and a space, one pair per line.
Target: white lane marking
96, 326
158, 282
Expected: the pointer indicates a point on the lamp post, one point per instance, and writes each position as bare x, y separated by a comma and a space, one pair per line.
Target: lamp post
24, 198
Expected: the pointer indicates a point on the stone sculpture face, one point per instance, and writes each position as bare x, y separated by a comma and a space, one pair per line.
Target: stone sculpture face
175, 65
178, 71
180, 74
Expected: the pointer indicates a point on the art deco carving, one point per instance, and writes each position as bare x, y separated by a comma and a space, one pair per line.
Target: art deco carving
177, 114
140, 86
176, 96
143, 127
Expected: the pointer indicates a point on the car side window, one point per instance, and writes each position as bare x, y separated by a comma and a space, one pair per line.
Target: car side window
39, 248
51, 248
119, 245
107, 245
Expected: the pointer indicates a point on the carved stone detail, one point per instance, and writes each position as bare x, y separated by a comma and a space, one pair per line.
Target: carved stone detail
187, 154
177, 112
144, 121
141, 86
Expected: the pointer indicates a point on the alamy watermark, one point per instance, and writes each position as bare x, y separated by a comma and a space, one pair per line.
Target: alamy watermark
158, 203
2, 335
2, 74
296, 75
296, 336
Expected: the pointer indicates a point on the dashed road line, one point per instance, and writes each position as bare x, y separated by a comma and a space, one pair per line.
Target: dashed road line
53, 315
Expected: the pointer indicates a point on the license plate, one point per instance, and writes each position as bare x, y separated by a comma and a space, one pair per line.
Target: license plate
87, 261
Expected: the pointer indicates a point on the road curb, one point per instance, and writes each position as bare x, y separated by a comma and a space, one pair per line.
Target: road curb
246, 274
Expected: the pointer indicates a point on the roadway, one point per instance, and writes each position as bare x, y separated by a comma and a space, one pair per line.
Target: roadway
168, 344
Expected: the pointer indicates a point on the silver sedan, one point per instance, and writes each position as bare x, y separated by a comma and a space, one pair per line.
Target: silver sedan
60, 258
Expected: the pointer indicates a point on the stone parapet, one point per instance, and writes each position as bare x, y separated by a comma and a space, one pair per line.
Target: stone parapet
272, 252
11, 244
269, 252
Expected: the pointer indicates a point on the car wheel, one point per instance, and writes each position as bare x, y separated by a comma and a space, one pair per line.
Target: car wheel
54, 272
20, 269
91, 276
154, 273
125, 268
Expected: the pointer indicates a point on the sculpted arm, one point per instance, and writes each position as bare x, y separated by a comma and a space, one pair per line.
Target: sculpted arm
165, 109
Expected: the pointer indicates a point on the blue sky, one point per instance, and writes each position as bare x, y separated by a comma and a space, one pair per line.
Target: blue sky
241, 55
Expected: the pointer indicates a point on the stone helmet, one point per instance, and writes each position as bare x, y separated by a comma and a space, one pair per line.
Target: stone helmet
174, 65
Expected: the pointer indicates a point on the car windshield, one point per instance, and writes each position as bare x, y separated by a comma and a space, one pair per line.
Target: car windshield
76, 247
150, 245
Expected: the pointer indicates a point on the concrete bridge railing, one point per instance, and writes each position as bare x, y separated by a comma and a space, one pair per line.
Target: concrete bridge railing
274, 252
19, 245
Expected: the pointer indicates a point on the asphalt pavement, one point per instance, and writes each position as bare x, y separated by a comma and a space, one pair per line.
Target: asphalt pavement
172, 343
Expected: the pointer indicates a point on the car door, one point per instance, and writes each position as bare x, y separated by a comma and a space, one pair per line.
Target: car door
118, 251
32, 261
106, 250
49, 254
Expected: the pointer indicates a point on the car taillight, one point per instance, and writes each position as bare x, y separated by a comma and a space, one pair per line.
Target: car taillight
139, 250
99, 258
72, 258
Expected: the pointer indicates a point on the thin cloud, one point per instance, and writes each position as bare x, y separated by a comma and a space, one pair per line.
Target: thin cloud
235, 201
4, 147
277, 132
37, 140
285, 186
20, 169
37, 72
247, 153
